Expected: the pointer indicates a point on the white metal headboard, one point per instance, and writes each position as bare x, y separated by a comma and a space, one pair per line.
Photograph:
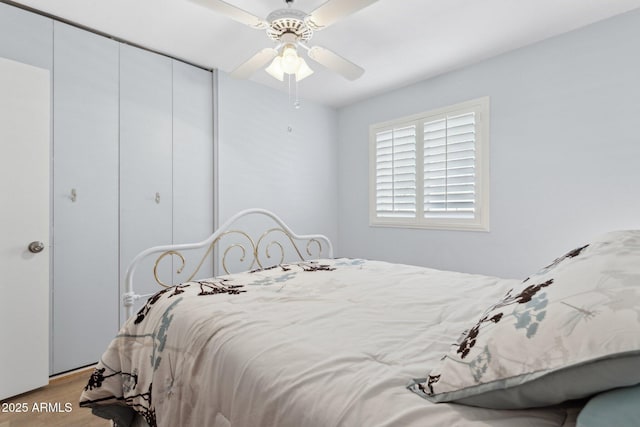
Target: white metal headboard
317, 245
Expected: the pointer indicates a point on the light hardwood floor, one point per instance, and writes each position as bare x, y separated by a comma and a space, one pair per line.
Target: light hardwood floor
60, 404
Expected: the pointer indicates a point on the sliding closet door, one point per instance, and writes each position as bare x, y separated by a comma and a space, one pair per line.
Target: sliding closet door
85, 196
146, 174
192, 161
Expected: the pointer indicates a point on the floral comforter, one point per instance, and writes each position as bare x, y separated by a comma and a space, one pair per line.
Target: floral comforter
326, 343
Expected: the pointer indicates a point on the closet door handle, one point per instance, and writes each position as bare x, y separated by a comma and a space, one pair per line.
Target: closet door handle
157, 198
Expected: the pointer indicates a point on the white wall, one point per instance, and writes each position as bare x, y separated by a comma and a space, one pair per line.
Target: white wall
565, 153
263, 164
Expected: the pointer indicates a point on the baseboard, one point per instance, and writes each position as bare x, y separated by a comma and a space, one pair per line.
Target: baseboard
85, 370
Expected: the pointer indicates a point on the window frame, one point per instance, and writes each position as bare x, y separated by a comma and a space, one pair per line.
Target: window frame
481, 108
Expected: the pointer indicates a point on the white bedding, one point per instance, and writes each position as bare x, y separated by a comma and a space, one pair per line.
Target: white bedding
299, 345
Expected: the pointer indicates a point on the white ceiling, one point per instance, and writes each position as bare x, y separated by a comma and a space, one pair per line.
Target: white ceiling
397, 42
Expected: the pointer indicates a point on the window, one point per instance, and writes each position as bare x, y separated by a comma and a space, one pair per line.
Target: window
431, 170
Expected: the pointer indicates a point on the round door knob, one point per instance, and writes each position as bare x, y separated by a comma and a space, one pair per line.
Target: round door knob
36, 247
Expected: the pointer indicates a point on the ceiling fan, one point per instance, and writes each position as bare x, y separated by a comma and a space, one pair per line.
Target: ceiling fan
291, 29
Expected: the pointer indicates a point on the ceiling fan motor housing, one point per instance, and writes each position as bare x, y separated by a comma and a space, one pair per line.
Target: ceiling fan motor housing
288, 21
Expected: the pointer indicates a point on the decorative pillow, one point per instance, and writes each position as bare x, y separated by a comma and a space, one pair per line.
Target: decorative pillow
567, 332
617, 407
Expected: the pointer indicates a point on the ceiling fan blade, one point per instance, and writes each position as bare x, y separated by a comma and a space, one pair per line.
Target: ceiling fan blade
335, 62
233, 12
257, 61
333, 10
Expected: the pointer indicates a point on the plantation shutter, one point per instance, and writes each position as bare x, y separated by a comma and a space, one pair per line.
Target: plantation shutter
396, 173
431, 170
450, 167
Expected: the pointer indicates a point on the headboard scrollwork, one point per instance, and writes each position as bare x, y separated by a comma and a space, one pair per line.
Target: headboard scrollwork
275, 246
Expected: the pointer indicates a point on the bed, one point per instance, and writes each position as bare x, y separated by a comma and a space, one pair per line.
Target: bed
304, 339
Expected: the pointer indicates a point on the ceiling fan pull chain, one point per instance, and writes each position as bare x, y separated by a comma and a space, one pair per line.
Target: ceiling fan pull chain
296, 104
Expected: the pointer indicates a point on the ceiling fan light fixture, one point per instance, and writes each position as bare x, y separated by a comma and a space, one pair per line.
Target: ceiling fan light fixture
275, 68
288, 62
290, 59
304, 70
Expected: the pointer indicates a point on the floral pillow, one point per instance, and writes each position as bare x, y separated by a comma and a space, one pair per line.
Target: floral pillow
567, 332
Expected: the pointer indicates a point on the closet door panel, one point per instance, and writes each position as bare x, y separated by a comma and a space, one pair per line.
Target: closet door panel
85, 197
145, 161
192, 162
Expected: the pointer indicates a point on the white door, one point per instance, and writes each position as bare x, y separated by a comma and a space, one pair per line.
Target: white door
24, 218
